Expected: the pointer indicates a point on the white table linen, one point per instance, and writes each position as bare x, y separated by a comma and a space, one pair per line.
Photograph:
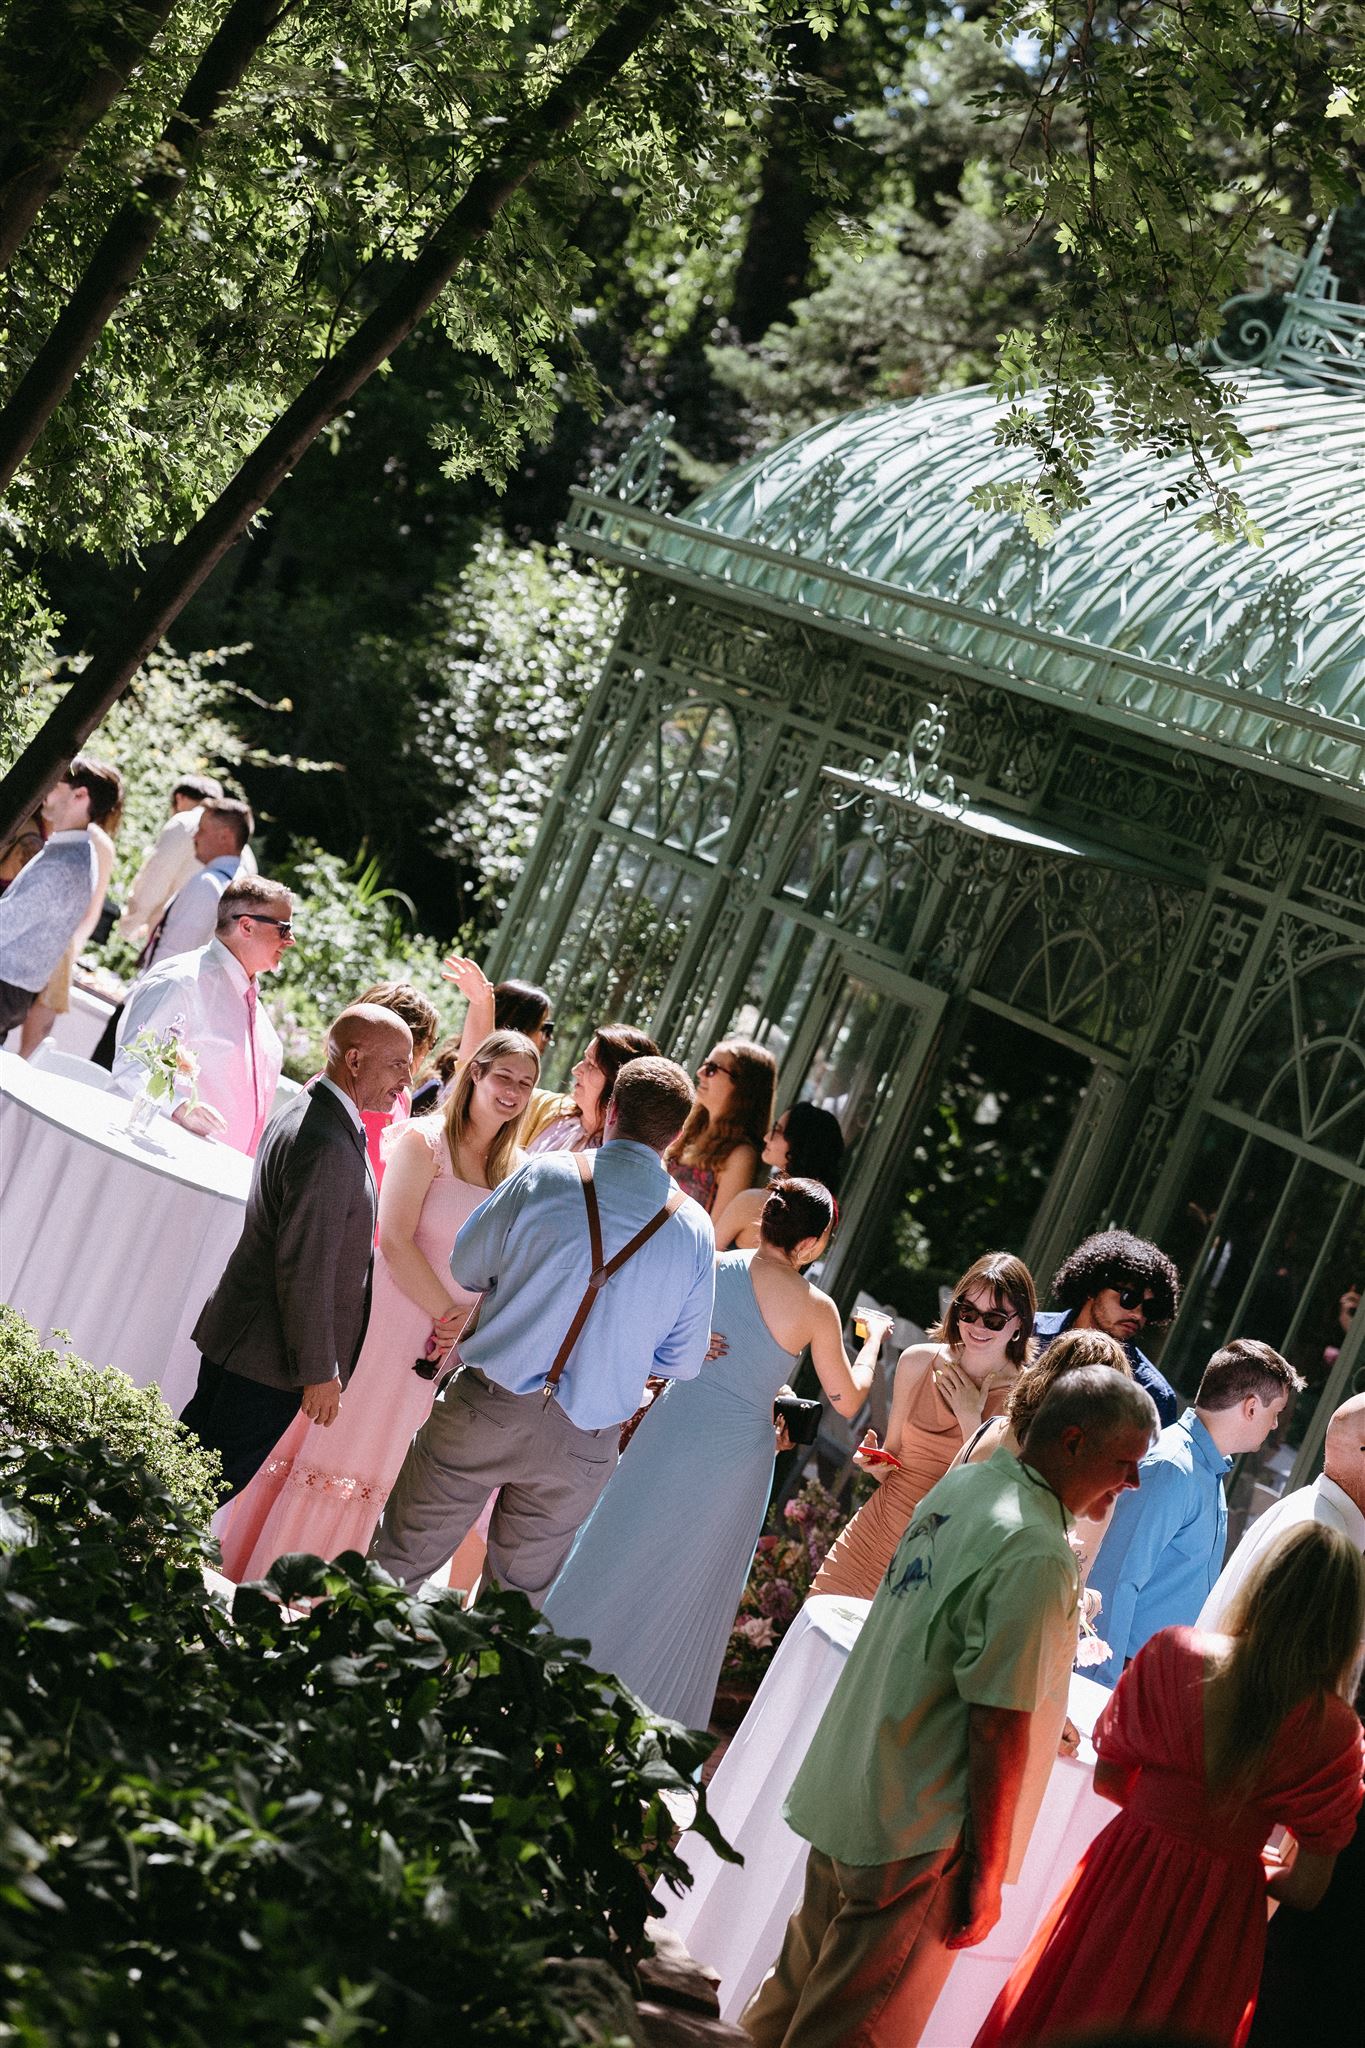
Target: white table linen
733, 1918
117, 1242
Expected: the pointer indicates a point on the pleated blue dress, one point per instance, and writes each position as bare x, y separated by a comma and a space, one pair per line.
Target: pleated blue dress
655, 1578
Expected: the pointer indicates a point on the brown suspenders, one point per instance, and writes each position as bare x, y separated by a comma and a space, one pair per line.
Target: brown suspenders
601, 1272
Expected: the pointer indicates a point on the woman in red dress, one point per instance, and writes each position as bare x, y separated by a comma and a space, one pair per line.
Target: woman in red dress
1209, 1742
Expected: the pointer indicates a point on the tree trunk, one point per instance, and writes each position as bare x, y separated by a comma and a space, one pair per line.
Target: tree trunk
48, 106
126, 646
122, 249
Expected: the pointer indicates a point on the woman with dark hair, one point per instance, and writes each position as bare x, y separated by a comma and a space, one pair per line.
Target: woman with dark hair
322, 1489
806, 1143
1209, 1743
583, 1113
942, 1391
656, 1575
715, 1154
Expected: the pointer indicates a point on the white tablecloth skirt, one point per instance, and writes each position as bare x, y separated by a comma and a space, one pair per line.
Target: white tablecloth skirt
114, 1242
733, 1918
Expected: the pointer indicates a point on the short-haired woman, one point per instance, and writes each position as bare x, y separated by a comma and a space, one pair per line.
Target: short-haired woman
806, 1143
942, 1391
656, 1575
322, 1489
715, 1155
1209, 1743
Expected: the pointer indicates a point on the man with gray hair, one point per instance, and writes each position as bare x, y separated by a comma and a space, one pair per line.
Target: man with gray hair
209, 1000
914, 1790
283, 1328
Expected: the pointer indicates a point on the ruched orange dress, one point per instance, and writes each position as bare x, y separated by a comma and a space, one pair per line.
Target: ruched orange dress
1162, 1923
931, 1439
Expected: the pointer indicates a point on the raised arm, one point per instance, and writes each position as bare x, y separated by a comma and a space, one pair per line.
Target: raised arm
477, 990
845, 1386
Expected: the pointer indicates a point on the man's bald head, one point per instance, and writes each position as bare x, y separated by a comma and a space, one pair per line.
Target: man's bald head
369, 1055
1344, 1453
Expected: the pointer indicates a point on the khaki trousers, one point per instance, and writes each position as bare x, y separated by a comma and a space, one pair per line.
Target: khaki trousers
478, 1438
863, 1961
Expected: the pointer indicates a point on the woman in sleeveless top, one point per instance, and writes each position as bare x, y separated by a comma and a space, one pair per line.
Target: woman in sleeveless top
942, 1391
1209, 1742
805, 1143
655, 1578
322, 1490
715, 1154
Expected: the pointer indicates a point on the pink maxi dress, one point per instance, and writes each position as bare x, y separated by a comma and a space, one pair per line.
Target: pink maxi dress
323, 1490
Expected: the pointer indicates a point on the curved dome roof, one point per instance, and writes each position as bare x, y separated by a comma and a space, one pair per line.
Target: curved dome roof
1121, 606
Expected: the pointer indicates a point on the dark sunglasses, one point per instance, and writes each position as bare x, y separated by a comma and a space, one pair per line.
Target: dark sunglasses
547, 1030
1135, 1297
283, 925
710, 1067
989, 1318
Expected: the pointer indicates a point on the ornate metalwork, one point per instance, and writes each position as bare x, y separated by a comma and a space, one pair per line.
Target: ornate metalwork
1315, 340
912, 776
638, 478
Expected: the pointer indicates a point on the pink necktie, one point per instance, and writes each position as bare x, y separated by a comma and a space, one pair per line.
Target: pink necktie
256, 1117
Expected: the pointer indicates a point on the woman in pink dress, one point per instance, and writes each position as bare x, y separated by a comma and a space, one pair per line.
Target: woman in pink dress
1209, 1742
322, 1490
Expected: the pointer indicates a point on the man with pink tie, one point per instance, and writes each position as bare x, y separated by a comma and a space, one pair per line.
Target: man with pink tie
210, 1000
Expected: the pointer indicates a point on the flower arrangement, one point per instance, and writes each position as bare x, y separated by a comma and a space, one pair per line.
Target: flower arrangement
163, 1060
790, 1553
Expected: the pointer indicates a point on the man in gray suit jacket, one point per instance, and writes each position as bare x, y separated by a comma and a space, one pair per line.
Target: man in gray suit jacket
283, 1327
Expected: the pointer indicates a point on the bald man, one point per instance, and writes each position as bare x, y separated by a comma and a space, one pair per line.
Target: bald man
284, 1326
1336, 1497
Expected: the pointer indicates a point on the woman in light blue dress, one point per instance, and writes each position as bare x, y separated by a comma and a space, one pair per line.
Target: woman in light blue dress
655, 1578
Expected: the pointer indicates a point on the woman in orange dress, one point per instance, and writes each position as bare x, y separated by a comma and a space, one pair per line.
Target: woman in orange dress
942, 1391
1209, 1742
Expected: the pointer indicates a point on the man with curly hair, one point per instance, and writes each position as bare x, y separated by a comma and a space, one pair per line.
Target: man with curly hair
1120, 1284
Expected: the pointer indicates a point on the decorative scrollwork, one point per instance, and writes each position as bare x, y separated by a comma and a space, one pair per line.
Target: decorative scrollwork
638, 479
912, 775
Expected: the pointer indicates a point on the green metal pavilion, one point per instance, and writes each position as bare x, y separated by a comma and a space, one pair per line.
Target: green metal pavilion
1070, 838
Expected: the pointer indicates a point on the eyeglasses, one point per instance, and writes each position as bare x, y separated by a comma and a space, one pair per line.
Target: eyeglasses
1135, 1297
283, 925
710, 1067
989, 1318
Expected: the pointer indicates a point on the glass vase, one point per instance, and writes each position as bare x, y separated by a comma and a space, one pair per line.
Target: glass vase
142, 1112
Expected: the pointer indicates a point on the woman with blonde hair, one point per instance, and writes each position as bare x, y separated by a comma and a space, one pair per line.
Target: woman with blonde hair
1209, 1743
941, 1392
715, 1155
322, 1490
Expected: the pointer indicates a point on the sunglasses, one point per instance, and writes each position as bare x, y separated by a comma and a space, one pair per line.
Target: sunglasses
989, 1318
547, 1030
1135, 1297
283, 925
710, 1067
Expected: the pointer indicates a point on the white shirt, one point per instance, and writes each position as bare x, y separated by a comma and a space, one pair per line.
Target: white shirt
170, 864
192, 918
1324, 1501
202, 995
342, 1096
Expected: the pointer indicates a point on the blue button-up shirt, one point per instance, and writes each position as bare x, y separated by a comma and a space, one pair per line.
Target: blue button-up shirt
1163, 1551
526, 1250
1050, 1323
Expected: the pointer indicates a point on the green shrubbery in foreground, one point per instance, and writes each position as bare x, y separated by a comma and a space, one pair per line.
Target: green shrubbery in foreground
390, 1819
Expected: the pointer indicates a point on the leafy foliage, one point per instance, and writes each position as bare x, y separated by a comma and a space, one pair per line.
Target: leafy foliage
47, 1396
790, 1552
385, 1815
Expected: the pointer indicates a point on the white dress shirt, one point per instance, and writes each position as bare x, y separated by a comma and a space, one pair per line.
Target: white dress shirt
170, 864
1324, 1501
204, 997
192, 916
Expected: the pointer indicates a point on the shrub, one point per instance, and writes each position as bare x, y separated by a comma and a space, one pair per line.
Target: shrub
388, 1815
789, 1554
48, 1397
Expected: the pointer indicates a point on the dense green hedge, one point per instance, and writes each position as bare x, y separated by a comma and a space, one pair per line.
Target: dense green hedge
388, 1819
48, 1397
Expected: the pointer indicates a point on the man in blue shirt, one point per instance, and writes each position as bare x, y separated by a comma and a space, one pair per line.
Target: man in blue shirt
1119, 1284
548, 1449
1164, 1548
